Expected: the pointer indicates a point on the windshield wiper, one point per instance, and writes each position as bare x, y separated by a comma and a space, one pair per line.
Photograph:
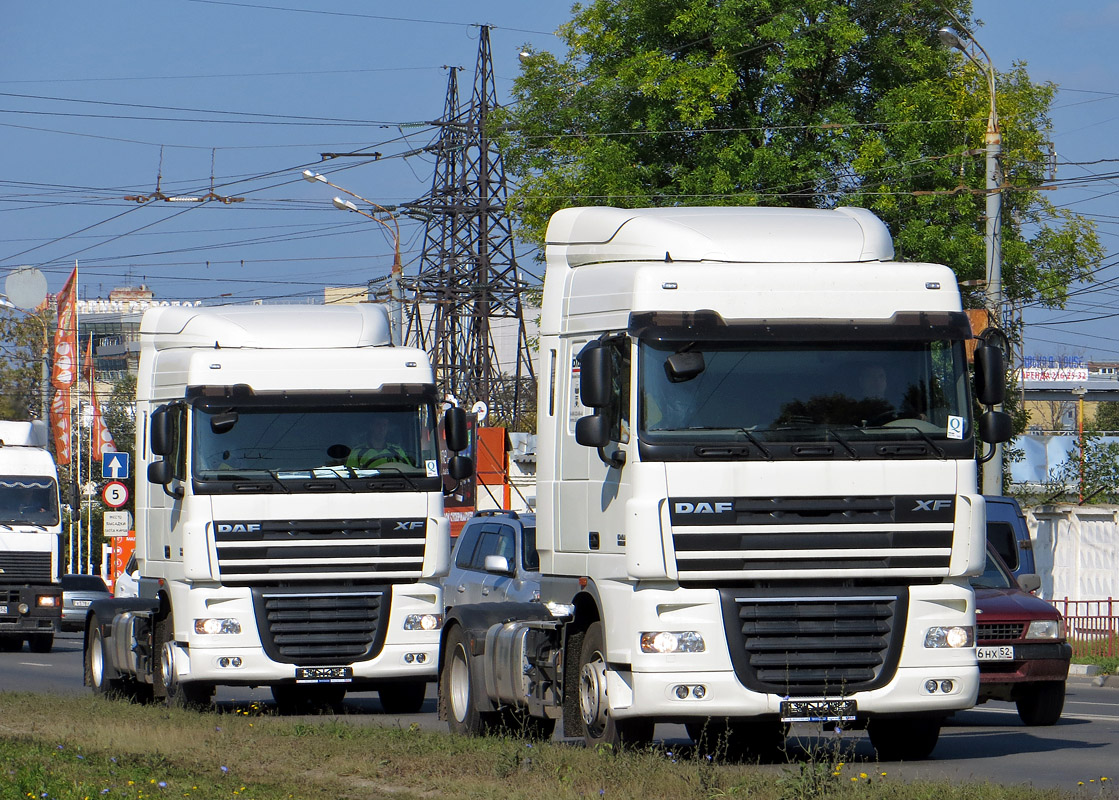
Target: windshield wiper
850, 450
754, 440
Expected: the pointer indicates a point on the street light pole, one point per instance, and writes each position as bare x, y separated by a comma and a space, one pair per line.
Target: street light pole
397, 273
993, 469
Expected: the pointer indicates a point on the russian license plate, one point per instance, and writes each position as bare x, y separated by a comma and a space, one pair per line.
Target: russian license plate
1001, 653
817, 710
82, 603
324, 674
3, 609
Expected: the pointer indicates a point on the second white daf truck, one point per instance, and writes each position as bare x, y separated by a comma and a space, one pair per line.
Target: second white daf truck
757, 500
274, 548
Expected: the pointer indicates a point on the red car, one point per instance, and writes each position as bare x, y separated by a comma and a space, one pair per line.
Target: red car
1020, 640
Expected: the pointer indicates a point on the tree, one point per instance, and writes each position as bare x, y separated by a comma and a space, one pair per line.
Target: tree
21, 347
1106, 417
119, 413
812, 103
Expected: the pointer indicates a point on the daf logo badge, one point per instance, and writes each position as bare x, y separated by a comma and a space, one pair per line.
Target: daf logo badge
717, 507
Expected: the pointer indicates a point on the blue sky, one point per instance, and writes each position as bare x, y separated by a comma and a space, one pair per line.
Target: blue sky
96, 100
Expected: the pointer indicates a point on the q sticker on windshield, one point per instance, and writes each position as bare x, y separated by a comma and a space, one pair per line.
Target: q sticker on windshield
955, 427
432, 467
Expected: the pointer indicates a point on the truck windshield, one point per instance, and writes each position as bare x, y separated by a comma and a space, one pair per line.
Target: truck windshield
840, 392
28, 501
299, 442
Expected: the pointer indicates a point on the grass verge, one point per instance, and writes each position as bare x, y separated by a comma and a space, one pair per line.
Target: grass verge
88, 748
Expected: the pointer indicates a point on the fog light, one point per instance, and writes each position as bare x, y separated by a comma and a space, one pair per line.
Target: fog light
24, 608
409, 658
950, 636
946, 687
681, 692
930, 687
212, 626
421, 658
671, 642
699, 692
423, 622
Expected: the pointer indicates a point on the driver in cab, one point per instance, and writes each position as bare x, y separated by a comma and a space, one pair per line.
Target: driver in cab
378, 449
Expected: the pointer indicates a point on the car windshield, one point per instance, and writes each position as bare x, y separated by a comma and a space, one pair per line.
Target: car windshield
28, 501
994, 576
292, 442
83, 583
803, 391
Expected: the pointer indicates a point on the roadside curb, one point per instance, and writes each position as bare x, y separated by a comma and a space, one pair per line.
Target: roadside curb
1091, 673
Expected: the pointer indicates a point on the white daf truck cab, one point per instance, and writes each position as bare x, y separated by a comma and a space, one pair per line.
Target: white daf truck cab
271, 550
757, 500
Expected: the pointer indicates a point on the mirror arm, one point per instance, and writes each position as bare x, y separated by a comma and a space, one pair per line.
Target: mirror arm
615, 460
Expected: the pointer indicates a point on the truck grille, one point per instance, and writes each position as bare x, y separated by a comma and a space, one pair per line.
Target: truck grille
999, 631
743, 539
25, 567
321, 625
272, 551
811, 645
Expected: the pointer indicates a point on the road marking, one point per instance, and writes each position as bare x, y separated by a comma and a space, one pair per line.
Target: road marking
32, 664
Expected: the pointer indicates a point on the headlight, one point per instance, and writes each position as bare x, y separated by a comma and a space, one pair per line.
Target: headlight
671, 642
953, 636
423, 622
48, 601
1046, 629
211, 626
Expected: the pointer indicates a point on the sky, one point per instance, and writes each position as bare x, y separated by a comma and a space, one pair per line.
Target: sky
99, 101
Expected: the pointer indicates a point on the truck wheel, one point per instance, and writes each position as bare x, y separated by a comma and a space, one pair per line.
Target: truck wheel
456, 690
295, 698
903, 739
599, 725
176, 694
402, 698
97, 661
1041, 704
40, 642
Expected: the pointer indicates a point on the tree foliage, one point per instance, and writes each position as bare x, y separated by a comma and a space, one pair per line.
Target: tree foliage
21, 348
812, 103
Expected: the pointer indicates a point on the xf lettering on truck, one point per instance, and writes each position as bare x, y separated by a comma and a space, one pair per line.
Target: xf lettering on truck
932, 505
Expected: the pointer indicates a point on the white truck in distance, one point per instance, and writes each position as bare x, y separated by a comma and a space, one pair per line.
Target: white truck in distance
30, 538
756, 483
271, 550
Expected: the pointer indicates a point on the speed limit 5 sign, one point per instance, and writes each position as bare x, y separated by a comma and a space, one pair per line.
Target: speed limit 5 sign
115, 494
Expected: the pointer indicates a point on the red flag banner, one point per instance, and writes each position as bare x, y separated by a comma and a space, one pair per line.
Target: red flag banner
60, 425
101, 439
66, 335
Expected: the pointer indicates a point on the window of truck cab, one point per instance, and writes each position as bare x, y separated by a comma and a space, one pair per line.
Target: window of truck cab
774, 399
289, 443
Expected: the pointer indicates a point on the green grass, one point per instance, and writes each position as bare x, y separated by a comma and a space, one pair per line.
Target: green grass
88, 748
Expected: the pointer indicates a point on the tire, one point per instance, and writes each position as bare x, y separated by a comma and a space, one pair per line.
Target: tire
192, 695
902, 738
40, 642
456, 689
293, 698
96, 662
600, 728
750, 741
402, 698
1041, 704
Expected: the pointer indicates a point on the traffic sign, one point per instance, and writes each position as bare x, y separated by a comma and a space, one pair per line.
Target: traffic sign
115, 494
117, 523
115, 466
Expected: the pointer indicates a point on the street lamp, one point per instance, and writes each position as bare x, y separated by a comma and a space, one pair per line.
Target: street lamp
992, 473
397, 272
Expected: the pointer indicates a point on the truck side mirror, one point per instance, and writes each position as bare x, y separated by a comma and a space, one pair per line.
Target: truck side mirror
990, 375
595, 376
460, 467
159, 472
995, 427
498, 564
161, 433
455, 430
593, 431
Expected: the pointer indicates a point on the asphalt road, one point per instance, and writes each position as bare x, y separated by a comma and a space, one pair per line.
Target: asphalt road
987, 744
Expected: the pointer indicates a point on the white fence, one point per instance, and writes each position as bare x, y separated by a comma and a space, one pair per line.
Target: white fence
1077, 550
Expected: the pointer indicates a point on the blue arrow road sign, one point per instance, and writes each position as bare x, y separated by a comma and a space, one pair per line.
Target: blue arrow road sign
115, 466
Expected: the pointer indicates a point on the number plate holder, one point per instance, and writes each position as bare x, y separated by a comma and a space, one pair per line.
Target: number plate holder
818, 710
1000, 653
324, 674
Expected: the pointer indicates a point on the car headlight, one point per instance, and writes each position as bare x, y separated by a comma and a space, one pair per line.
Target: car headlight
953, 636
212, 626
48, 601
1046, 629
423, 622
671, 642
